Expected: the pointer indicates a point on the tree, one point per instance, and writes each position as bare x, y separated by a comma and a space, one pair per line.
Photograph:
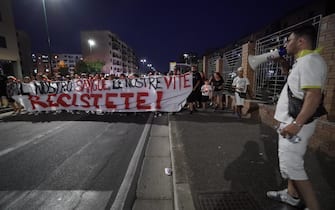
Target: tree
81, 67
95, 66
89, 67
63, 71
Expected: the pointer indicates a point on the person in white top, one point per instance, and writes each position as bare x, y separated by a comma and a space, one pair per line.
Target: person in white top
306, 81
206, 93
240, 84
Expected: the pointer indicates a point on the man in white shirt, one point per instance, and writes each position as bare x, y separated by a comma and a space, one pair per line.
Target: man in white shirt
306, 81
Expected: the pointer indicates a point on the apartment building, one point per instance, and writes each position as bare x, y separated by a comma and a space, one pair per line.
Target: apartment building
65, 61
24, 46
9, 52
40, 63
106, 47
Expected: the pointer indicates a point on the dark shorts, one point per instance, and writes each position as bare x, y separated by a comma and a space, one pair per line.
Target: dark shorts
204, 98
10, 100
193, 97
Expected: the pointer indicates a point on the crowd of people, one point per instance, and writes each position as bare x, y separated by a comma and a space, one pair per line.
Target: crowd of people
210, 92
206, 93
11, 86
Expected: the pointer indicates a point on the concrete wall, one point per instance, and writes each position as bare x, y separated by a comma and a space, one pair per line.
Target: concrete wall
327, 42
7, 29
323, 138
248, 49
219, 65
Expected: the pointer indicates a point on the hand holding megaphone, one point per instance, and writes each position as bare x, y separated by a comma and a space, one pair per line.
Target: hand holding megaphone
256, 60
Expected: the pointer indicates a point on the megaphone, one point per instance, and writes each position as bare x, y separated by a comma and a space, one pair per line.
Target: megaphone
256, 60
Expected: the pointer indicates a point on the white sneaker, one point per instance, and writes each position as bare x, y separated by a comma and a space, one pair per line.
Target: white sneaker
284, 197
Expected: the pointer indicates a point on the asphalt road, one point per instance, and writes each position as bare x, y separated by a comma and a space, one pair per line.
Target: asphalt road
65, 161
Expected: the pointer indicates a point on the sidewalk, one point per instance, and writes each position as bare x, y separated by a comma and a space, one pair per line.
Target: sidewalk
220, 162
4, 110
154, 188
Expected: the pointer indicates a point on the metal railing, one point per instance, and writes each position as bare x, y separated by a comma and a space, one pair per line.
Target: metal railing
231, 61
269, 79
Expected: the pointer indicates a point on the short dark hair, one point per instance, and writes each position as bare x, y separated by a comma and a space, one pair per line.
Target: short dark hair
309, 32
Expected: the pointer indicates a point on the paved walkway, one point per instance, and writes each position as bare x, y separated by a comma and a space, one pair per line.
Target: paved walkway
154, 188
220, 161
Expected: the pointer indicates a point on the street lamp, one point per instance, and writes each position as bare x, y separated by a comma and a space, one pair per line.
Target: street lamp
149, 65
143, 61
186, 56
48, 34
91, 43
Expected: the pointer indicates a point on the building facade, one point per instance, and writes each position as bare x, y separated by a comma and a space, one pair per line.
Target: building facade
40, 63
9, 52
24, 46
65, 61
106, 47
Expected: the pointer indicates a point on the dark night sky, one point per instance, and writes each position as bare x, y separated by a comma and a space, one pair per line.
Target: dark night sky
158, 30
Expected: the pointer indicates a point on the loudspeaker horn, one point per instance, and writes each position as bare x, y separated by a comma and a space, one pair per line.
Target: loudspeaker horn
256, 60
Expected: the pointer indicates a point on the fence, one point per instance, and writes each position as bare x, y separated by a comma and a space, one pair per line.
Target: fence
269, 79
231, 61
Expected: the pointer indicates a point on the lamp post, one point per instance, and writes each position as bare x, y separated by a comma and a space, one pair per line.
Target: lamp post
143, 61
149, 65
48, 34
186, 56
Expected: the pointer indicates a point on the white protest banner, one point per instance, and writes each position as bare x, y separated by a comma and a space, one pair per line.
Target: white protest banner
156, 93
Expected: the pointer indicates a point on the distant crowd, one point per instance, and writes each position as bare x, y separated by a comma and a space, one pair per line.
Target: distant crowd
11, 86
207, 92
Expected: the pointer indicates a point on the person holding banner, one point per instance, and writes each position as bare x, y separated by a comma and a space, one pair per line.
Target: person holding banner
3, 94
193, 97
12, 89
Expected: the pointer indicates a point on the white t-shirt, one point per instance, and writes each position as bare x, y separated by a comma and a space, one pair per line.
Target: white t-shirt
239, 82
309, 71
206, 90
28, 88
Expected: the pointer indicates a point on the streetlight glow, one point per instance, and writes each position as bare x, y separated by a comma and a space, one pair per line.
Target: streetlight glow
143, 61
91, 43
186, 57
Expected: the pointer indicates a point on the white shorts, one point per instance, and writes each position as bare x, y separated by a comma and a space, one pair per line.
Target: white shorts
238, 100
291, 155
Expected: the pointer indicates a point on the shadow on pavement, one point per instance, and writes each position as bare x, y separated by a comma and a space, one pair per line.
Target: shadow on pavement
224, 154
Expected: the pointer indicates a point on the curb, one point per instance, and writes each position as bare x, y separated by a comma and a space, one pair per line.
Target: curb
182, 195
154, 187
126, 194
4, 110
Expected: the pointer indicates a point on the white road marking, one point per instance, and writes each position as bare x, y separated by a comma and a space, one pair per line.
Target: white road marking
34, 138
54, 199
